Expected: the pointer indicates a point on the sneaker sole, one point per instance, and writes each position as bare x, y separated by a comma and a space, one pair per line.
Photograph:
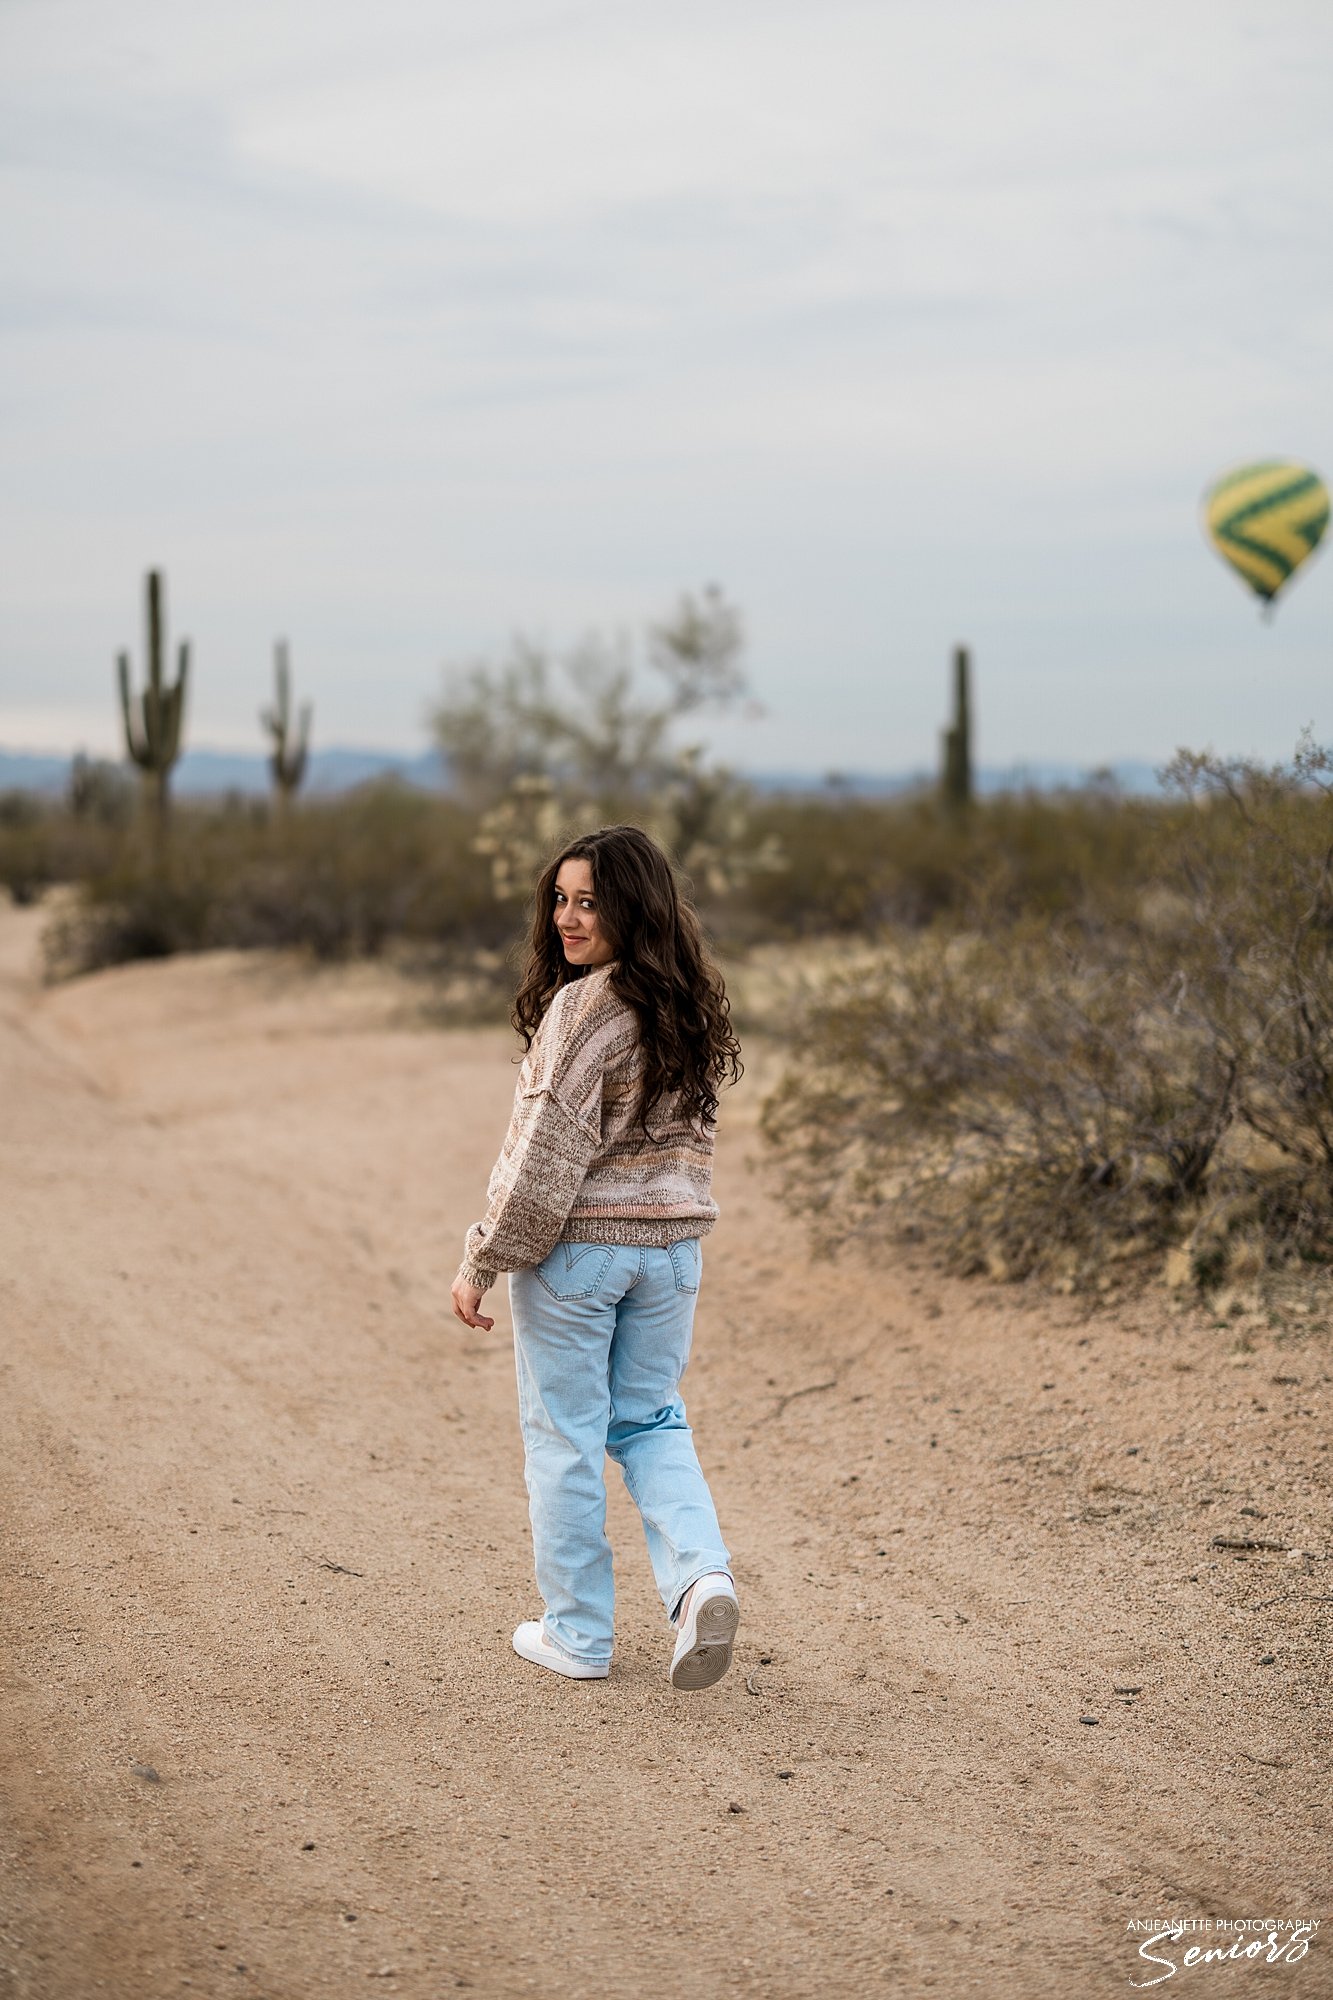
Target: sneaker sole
710, 1655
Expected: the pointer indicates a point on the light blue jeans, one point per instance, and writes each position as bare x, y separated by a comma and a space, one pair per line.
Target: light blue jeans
601, 1337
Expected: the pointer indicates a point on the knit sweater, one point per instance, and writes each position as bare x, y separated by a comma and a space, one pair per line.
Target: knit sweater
575, 1165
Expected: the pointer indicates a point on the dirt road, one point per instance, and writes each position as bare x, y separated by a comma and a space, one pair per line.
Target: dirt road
265, 1539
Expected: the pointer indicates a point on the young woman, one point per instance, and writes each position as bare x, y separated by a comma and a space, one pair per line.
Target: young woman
597, 1207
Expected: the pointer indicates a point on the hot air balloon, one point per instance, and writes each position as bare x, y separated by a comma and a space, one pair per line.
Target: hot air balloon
1265, 519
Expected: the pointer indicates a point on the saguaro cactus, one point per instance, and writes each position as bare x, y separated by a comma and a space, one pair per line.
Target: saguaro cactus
153, 719
287, 761
956, 778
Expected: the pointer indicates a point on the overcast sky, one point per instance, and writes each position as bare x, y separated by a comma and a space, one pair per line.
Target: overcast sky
399, 329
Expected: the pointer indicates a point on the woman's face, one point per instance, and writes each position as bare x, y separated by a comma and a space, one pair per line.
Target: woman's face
576, 915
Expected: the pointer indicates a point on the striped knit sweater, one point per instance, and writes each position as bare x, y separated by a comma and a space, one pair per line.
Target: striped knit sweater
575, 1165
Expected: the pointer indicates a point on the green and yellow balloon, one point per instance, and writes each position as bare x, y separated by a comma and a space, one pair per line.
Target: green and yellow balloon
1266, 519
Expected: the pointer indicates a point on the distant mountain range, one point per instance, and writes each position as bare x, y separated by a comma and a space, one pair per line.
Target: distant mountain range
204, 773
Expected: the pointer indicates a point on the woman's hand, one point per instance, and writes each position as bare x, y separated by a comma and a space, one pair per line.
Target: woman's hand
466, 1300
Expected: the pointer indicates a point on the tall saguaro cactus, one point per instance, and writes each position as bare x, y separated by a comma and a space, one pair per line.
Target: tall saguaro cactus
287, 761
956, 778
153, 719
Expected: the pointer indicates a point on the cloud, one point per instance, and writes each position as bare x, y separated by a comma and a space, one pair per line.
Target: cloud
399, 329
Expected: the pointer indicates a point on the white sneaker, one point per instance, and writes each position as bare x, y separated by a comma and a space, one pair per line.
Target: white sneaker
703, 1650
531, 1642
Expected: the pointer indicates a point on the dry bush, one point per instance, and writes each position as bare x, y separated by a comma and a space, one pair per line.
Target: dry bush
1151, 1074
1032, 1103
700, 814
854, 865
43, 841
340, 878
350, 873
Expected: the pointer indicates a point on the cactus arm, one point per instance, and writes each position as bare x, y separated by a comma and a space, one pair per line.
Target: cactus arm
288, 758
176, 706
133, 742
274, 719
273, 725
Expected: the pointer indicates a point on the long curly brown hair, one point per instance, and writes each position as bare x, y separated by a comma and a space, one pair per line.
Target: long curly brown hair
664, 970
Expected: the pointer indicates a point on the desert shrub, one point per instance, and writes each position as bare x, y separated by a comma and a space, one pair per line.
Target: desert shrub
347, 874
1025, 1099
854, 864
101, 790
542, 746
25, 860
701, 815
42, 842
1142, 1074
338, 878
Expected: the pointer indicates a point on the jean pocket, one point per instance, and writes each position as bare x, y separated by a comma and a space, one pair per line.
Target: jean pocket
574, 1270
687, 1263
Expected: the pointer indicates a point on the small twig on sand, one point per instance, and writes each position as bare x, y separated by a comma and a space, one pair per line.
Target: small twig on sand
810, 1389
815, 1388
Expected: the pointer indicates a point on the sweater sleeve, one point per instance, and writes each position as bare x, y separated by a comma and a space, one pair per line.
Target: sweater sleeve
553, 1136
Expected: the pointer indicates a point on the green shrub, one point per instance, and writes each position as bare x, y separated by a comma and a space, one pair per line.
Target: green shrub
339, 878
855, 864
42, 842
348, 873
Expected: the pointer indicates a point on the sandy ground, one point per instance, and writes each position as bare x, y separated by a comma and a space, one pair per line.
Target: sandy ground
997, 1695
